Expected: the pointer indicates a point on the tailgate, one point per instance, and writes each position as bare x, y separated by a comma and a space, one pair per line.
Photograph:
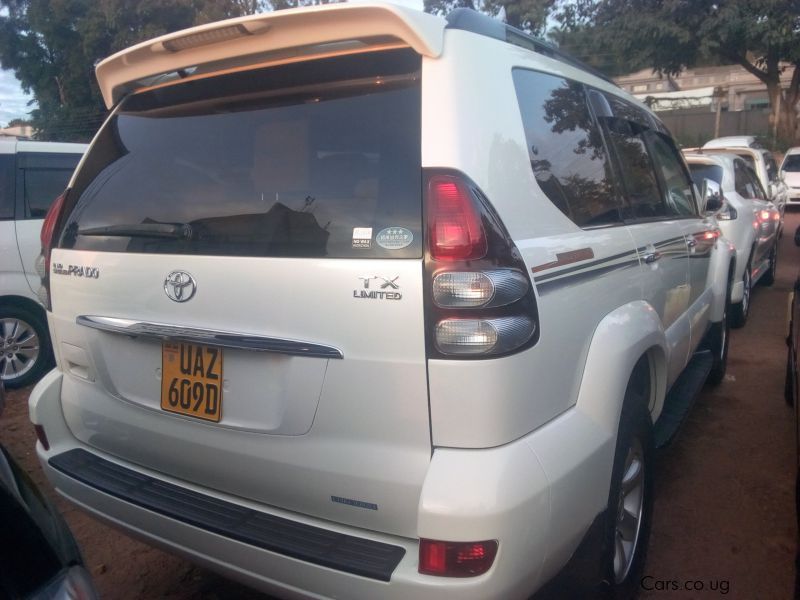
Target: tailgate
237, 292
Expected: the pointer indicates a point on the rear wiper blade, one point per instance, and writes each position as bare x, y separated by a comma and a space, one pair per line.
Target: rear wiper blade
181, 231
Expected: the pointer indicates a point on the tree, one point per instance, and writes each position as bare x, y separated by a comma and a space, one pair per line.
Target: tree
53, 46
763, 36
528, 15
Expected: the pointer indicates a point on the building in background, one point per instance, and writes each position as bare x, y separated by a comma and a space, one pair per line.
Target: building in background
17, 131
706, 102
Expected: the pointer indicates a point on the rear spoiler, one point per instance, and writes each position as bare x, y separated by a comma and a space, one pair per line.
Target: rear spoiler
266, 38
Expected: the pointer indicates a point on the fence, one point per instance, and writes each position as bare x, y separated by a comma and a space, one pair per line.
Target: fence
695, 126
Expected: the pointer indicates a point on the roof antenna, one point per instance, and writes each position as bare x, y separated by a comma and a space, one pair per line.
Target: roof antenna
501, 15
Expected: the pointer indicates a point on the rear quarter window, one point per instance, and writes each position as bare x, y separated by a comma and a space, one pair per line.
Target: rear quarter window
318, 159
566, 149
41, 178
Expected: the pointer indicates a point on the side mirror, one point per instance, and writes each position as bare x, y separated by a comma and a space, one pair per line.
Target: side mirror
797, 236
712, 196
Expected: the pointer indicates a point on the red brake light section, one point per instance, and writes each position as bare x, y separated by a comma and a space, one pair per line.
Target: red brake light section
454, 223
49, 228
456, 559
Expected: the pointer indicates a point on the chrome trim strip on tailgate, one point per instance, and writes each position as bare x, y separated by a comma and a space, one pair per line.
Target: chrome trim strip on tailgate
210, 337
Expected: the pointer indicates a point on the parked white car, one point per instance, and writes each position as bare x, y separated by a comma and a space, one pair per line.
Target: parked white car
746, 218
760, 160
790, 173
332, 323
32, 175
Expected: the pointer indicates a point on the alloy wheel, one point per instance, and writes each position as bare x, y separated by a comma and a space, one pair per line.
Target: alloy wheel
19, 348
630, 509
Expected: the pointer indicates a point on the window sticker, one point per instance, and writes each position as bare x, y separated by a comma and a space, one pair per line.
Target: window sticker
362, 237
394, 238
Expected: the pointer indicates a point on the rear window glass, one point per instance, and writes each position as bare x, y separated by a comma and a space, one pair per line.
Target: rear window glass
701, 172
305, 160
792, 163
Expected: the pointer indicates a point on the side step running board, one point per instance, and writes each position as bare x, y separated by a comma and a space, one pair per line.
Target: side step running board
681, 397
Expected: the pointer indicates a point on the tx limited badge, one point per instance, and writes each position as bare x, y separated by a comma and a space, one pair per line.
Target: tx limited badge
180, 286
383, 288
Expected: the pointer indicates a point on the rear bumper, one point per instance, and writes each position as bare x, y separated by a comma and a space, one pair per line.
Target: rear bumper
538, 510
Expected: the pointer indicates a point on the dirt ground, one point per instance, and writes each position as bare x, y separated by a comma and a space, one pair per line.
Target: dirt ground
724, 516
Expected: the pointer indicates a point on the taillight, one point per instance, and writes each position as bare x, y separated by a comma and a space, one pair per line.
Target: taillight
47, 238
480, 297
454, 226
456, 559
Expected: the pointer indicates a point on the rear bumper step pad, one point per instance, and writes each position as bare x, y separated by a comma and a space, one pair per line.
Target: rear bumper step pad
342, 552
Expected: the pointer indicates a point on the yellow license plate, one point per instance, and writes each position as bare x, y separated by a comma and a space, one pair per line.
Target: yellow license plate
191, 382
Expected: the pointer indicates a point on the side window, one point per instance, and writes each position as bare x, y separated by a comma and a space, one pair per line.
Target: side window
741, 182
636, 168
755, 185
6, 186
677, 185
41, 178
566, 149
772, 169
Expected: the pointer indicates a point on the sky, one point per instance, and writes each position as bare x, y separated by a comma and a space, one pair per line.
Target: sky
14, 102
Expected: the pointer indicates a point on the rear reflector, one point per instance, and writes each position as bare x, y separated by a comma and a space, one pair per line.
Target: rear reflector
456, 559
454, 223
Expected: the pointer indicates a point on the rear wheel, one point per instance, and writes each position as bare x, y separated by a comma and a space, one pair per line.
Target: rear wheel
769, 277
630, 500
718, 342
24, 346
740, 310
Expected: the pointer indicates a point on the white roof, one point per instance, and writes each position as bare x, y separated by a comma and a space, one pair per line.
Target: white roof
733, 141
280, 36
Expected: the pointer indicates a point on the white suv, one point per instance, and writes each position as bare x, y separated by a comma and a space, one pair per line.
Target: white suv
359, 302
32, 175
746, 218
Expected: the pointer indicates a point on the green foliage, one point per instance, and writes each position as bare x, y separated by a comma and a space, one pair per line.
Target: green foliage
528, 15
670, 35
53, 46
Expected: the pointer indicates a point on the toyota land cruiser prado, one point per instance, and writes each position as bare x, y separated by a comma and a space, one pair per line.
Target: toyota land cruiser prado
382, 305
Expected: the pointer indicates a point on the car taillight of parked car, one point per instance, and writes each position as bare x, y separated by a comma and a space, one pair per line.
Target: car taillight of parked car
480, 300
47, 238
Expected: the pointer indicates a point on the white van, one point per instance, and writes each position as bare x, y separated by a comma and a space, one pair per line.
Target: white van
32, 175
355, 301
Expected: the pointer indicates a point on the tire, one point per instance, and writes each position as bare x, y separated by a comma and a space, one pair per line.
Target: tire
741, 310
769, 277
719, 340
25, 353
631, 491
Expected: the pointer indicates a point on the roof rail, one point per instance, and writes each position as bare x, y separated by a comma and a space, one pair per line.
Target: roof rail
473, 21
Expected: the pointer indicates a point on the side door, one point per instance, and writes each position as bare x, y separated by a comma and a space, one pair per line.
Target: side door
766, 220
40, 178
658, 234
9, 257
699, 232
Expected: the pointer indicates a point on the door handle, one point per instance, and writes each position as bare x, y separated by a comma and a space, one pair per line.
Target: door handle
651, 257
691, 242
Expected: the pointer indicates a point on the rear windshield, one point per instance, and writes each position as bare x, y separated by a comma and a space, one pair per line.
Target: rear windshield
701, 172
792, 163
305, 160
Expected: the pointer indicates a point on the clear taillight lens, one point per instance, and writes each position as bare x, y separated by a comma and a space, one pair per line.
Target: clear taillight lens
483, 336
468, 289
